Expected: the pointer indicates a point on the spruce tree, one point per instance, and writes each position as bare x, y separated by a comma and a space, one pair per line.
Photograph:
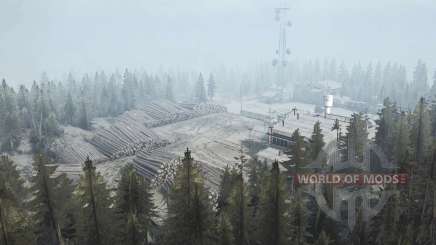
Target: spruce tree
401, 148
224, 227
211, 87
134, 208
384, 136
200, 90
83, 117
421, 132
169, 94
224, 230
336, 126
13, 220
94, 224
353, 142
9, 119
275, 211
190, 217
238, 205
420, 78
316, 141
298, 150
323, 239
50, 196
69, 110
298, 220
225, 189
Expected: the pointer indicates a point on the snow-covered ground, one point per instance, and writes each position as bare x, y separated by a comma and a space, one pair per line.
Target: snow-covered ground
274, 109
215, 139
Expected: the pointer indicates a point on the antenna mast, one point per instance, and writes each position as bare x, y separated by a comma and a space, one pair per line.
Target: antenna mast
282, 52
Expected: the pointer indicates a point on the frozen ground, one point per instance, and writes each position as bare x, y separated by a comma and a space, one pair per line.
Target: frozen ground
274, 109
215, 139
307, 116
158, 134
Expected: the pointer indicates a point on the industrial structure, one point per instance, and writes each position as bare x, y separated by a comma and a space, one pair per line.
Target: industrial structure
282, 52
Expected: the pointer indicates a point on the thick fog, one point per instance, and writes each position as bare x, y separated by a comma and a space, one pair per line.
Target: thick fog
58, 36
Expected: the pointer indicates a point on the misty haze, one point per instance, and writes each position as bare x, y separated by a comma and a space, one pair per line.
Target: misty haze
230, 122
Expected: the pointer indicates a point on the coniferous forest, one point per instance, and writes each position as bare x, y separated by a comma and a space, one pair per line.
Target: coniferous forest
220, 122
255, 202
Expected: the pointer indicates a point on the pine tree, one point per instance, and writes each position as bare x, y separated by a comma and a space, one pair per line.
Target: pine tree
298, 220
51, 194
95, 215
200, 91
356, 137
9, 120
421, 132
13, 222
298, 150
323, 239
224, 230
336, 126
401, 149
127, 91
238, 205
274, 220
83, 118
359, 234
420, 78
134, 208
69, 110
225, 189
433, 88
384, 136
211, 87
190, 217
169, 94
316, 141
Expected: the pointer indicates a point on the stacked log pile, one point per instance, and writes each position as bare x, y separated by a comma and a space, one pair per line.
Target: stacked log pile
73, 148
131, 133
159, 166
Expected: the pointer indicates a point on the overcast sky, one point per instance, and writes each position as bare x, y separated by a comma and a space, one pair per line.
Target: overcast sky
58, 36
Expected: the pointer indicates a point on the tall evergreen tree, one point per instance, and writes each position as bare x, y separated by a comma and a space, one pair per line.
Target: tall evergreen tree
275, 219
190, 217
211, 87
83, 117
134, 208
169, 94
51, 194
9, 120
298, 150
323, 239
421, 132
224, 227
200, 90
316, 141
238, 205
401, 148
13, 220
336, 126
94, 224
420, 78
385, 133
69, 110
354, 140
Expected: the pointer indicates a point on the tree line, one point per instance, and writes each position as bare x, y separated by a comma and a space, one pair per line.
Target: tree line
255, 203
370, 83
47, 105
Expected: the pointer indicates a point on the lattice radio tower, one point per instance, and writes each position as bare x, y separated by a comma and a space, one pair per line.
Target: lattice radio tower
282, 52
